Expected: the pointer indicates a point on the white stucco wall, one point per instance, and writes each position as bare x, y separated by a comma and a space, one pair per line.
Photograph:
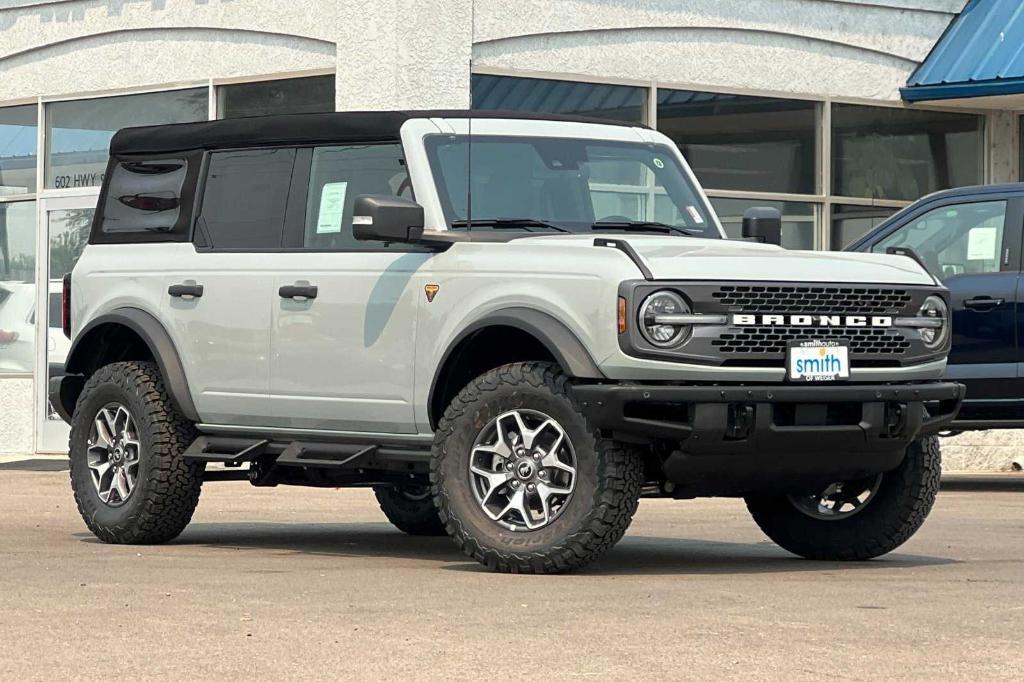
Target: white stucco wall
819, 47
15, 416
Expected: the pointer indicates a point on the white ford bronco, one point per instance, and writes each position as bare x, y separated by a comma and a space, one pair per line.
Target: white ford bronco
509, 326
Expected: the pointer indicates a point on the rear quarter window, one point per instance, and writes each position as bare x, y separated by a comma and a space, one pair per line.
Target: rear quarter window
144, 196
147, 198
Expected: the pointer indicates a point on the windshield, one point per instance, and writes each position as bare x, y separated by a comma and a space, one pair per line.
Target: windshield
562, 184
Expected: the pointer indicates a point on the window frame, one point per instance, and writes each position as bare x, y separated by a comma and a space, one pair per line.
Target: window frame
294, 227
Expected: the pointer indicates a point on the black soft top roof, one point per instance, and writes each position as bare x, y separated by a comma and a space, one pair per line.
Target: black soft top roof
350, 126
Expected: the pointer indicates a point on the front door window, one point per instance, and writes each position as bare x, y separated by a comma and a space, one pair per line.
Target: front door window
961, 239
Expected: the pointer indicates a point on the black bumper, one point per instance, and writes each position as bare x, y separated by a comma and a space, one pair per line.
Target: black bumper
739, 439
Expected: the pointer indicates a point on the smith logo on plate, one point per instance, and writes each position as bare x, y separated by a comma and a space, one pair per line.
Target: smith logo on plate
818, 361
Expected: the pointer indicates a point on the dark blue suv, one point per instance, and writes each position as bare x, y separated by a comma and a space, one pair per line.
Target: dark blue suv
970, 239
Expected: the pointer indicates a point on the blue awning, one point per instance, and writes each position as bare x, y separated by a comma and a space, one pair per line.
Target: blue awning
980, 54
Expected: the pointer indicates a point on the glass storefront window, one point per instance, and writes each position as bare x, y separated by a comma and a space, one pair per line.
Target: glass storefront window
68, 230
539, 95
78, 132
850, 223
18, 150
737, 142
17, 286
308, 95
797, 219
893, 153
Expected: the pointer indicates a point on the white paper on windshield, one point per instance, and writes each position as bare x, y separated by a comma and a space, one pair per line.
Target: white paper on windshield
332, 207
694, 214
981, 243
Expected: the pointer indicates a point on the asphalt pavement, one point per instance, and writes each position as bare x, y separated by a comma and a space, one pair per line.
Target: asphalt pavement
299, 583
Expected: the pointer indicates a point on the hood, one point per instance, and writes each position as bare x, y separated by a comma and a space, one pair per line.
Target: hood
726, 259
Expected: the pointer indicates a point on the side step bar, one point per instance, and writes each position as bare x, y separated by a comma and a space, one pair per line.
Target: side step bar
233, 451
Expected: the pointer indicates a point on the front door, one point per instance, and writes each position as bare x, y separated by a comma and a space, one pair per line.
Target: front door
344, 311
64, 224
974, 248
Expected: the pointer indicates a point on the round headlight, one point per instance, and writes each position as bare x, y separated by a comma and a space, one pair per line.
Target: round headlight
934, 308
656, 324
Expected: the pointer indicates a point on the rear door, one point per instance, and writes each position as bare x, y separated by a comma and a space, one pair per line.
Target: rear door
344, 311
973, 246
219, 290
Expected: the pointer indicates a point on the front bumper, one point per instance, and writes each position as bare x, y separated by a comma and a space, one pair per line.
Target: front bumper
740, 439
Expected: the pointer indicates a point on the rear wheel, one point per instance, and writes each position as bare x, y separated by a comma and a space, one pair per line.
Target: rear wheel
523, 482
410, 509
855, 520
131, 484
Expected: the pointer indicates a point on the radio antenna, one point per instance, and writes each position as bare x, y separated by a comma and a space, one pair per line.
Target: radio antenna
469, 122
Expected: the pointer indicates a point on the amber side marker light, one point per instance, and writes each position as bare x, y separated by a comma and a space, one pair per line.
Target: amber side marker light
622, 315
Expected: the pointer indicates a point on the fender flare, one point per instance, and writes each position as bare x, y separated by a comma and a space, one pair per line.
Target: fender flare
568, 351
160, 345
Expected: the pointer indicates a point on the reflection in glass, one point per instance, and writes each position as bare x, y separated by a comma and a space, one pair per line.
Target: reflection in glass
144, 195
850, 223
68, 234
17, 286
18, 150
893, 153
540, 95
797, 219
736, 142
78, 132
288, 96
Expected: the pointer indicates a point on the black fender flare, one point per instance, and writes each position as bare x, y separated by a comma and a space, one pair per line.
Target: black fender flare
568, 351
160, 345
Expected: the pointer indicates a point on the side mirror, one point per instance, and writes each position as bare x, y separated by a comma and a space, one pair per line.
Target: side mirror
386, 219
763, 224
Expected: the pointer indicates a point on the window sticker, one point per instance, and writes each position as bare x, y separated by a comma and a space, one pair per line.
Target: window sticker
981, 243
332, 207
695, 214
658, 163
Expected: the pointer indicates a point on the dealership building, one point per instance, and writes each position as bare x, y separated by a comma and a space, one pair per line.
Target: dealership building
837, 112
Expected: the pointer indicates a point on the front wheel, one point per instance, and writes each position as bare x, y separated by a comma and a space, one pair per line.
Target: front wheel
523, 483
855, 520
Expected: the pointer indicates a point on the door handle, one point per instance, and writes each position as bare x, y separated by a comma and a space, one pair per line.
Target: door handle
297, 291
982, 303
186, 290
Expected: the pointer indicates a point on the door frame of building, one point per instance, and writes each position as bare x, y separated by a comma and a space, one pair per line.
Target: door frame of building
50, 435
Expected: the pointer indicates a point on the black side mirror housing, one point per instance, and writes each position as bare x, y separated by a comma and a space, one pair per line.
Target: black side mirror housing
763, 224
382, 218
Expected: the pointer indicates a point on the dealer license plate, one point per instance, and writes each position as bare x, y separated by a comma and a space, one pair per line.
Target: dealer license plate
818, 361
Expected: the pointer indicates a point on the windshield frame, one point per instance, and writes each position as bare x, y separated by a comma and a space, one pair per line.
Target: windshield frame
664, 149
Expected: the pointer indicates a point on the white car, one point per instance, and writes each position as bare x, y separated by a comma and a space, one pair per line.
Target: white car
506, 324
17, 327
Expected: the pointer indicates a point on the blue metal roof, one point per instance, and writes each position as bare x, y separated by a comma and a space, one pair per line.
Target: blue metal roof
980, 54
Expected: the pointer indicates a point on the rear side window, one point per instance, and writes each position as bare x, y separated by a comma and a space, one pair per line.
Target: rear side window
337, 176
144, 196
245, 199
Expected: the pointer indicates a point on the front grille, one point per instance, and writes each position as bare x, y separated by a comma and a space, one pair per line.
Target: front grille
833, 300
774, 340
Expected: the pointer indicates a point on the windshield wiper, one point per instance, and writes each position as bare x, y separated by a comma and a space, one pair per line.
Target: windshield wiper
508, 224
643, 226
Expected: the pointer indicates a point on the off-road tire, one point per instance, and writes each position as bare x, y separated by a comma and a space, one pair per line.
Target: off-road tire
409, 511
898, 508
167, 487
609, 476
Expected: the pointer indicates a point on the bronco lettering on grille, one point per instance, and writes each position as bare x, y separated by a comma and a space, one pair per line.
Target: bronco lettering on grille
744, 320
